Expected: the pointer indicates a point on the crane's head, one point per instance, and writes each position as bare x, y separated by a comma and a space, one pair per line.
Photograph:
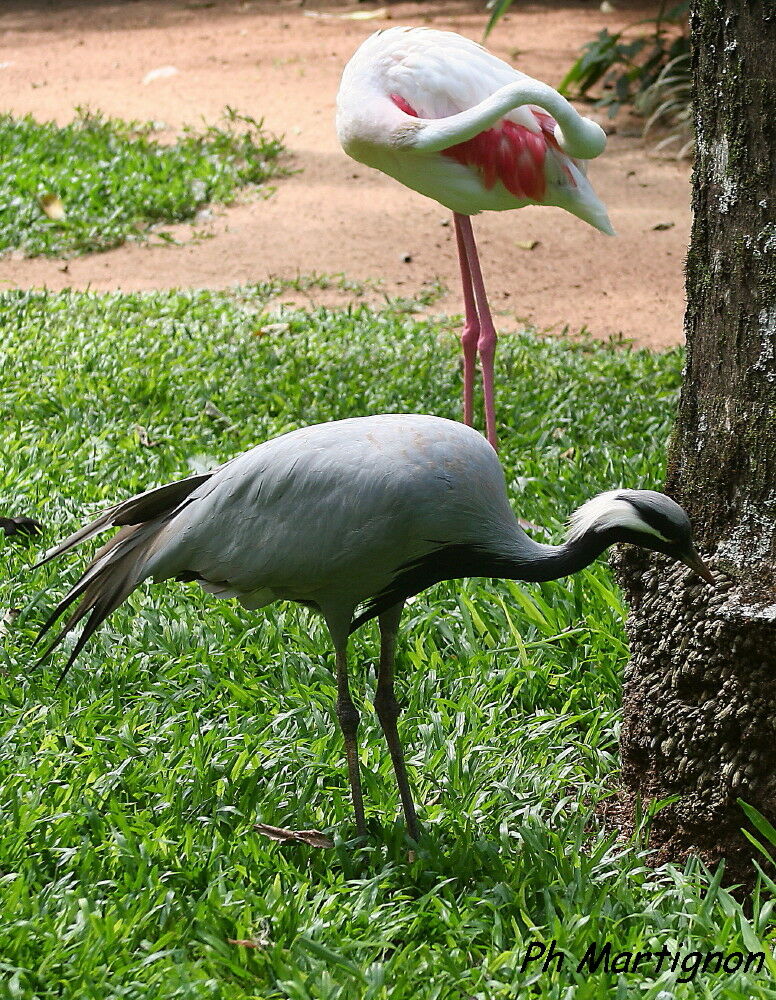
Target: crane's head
641, 517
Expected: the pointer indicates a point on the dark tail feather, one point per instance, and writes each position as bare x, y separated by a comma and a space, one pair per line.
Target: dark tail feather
107, 581
101, 608
120, 565
59, 610
80, 587
143, 507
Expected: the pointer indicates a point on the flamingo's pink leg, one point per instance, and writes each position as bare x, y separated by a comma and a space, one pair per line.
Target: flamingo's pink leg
486, 342
471, 327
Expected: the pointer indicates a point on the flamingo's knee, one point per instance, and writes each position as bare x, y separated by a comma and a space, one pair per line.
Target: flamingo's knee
470, 338
486, 346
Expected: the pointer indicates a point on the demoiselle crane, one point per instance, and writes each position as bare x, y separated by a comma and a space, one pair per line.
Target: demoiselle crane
351, 518
445, 117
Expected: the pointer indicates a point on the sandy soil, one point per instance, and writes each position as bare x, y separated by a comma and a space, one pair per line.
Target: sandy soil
282, 61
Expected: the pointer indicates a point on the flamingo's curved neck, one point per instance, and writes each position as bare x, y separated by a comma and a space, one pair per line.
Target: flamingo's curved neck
578, 137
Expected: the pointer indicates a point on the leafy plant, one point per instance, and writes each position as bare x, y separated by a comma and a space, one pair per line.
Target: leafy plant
128, 795
647, 69
627, 64
763, 826
497, 10
669, 101
97, 182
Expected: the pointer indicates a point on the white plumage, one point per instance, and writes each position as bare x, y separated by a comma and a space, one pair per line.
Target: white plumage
613, 510
448, 119
458, 90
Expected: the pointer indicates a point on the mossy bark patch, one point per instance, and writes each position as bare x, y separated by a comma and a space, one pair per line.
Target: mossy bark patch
700, 690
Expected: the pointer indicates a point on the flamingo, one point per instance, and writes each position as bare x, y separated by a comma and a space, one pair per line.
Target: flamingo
445, 117
351, 518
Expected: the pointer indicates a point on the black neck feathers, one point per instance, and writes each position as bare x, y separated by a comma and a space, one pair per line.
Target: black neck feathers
523, 559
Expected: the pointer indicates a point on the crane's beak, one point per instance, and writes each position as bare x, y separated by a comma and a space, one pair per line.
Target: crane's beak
694, 561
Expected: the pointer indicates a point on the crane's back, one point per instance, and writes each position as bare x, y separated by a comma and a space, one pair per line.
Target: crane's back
338, 505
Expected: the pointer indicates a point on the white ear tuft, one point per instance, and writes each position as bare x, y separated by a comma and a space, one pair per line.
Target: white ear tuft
605, 511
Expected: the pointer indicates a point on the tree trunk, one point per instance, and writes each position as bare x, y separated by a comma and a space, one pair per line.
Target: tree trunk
700, 690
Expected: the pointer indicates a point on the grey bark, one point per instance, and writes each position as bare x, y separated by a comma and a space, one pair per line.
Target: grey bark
700, 689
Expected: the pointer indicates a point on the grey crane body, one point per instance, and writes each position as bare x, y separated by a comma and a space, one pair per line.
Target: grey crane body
360, 513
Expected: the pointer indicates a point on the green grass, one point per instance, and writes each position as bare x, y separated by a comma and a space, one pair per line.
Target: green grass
127, 853
114, 180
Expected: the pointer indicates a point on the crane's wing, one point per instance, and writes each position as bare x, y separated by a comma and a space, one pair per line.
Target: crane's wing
142, 507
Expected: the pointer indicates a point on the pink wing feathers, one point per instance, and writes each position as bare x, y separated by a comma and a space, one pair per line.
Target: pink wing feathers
510, 153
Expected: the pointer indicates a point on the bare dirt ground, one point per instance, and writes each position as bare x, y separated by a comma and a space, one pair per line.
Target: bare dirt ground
282, 61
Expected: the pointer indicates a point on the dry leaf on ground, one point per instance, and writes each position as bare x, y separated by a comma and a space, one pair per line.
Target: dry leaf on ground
143, 438
313, 838
7, 617
160, 73
52, 206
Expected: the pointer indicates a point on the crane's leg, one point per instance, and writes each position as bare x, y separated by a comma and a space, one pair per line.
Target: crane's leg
388, 710
348, 717
471, 326
486, 342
